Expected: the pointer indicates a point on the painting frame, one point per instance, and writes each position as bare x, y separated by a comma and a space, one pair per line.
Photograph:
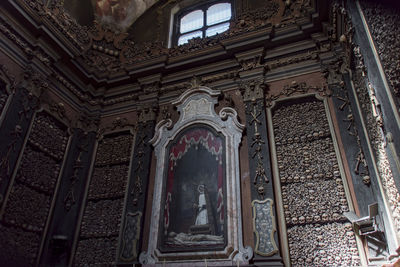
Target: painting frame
197, 108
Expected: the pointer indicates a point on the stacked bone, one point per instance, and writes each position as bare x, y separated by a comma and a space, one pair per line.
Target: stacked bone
28, 205
102, 218
313, 194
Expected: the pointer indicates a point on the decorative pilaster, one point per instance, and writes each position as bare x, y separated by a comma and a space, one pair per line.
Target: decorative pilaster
58, 242
133, 217
262, 192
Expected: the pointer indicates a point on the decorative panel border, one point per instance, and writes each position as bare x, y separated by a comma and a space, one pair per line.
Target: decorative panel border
196, 107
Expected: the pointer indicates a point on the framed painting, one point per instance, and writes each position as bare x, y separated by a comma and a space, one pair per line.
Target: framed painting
196, 210
194, 199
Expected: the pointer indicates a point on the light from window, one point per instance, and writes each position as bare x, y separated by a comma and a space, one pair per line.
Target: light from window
216, 18
217, 29
192, 21
186, 37
218, 13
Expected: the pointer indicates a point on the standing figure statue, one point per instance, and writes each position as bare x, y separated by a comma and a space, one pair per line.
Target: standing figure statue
202, 215
204, 222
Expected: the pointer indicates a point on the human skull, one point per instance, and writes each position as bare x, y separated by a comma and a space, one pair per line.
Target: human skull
302, 219
309, 219
348, 226
335, 216
294, 220
367, 180
350, 234
260, 190
324, 217
317, 218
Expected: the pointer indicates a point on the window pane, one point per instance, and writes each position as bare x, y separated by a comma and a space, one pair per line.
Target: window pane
218, 13
217, 29
192, 21
186, 37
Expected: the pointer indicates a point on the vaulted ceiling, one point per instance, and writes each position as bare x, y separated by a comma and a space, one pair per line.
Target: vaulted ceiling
116, 14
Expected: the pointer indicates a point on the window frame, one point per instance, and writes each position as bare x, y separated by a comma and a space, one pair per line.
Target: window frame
203, 7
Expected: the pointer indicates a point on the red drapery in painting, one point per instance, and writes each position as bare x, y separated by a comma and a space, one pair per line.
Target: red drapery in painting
213, 144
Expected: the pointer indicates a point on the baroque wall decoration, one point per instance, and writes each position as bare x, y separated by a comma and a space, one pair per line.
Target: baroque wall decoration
312, 190
27, 207
384, 24
101, 220
100, 56
135, 203
264, 225
376, 132
207, 232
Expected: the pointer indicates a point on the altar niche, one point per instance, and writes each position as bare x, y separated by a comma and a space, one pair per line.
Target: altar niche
193, 202
196, 209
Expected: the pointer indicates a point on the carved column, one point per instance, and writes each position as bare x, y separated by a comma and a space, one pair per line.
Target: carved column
266, 243
13, 129
135, 205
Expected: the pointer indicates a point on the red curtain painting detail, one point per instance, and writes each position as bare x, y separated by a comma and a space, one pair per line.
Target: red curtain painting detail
213, 144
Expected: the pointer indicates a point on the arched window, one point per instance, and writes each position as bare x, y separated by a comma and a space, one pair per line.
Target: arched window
202, 21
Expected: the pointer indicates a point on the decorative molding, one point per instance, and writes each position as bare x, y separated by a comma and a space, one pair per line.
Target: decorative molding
226, 124
375, 127
131, 235
100, 48
253, 90
295, 88
264, 227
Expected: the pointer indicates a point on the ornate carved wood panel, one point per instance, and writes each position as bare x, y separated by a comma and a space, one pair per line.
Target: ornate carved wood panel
262, 192
98, 239
313, 193
29, 201
135, 202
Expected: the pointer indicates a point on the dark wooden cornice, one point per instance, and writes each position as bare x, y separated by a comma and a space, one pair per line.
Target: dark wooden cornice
93, 62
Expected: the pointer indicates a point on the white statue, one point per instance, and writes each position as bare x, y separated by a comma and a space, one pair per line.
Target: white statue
202, 216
